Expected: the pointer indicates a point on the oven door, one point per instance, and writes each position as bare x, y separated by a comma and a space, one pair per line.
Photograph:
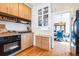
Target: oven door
11, 48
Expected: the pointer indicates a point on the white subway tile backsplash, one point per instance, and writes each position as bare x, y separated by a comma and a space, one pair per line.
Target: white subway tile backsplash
14, 26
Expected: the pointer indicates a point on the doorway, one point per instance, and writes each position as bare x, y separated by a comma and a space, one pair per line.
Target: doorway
59, 27
61, 31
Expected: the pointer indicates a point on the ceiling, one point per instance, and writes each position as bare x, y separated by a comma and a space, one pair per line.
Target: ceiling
57, 7
34, 4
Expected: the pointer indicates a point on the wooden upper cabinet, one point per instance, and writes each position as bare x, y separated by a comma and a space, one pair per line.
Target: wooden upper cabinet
10, 8
20, 10
29, 13
13, 9
24, 11
4, 7
16, 9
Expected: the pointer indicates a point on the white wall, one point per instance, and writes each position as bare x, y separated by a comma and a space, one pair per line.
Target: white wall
14, 26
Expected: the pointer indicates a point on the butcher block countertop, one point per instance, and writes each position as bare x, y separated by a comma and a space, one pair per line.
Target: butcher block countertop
8, 34
11, 33
43, 35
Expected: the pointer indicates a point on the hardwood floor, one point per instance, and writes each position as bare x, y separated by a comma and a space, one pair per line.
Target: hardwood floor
60, 49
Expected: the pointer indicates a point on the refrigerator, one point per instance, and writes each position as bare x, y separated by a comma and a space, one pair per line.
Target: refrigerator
75, 36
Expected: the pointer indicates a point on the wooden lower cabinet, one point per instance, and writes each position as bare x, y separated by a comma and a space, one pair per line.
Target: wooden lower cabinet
38, 42
42, 42
45, 43
45, 46
26, 40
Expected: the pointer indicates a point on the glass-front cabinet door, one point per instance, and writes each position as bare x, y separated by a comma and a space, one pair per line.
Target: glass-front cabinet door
40, 17
44, 17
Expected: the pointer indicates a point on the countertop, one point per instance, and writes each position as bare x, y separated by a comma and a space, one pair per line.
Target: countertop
11, 34
43, 35
8, 34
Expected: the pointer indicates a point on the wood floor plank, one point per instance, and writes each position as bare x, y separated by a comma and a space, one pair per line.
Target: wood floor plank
60, 49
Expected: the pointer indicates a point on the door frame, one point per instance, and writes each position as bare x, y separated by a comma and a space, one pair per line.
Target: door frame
52, 24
